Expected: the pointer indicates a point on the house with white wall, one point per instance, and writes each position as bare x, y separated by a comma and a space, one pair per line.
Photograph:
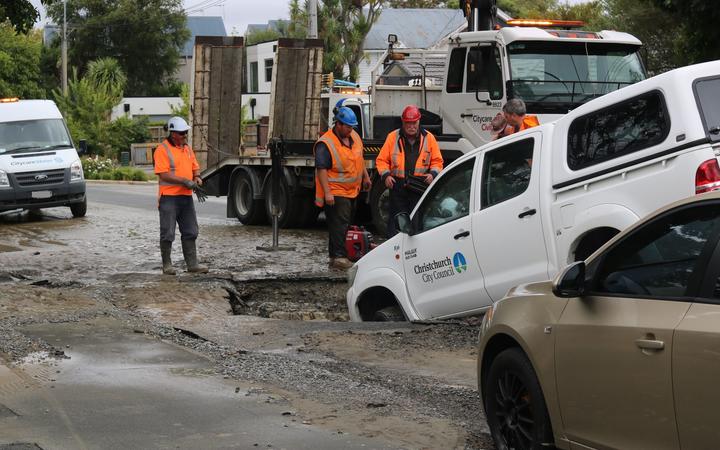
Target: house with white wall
258, 68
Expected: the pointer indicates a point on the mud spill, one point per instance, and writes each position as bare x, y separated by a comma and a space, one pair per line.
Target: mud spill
291, 298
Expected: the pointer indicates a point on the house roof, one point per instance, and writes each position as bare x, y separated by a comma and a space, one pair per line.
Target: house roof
415, 28
202, 26
274, 25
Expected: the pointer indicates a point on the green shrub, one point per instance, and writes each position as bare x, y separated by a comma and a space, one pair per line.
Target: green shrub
96, 168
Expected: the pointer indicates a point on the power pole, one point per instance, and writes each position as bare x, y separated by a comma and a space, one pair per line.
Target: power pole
64, 50
312, 19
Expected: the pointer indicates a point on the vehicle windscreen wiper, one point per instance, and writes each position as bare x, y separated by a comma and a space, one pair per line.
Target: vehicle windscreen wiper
57, 146
714, 130
20, 150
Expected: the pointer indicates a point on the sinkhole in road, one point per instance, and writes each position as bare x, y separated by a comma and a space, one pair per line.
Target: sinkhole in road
291, 298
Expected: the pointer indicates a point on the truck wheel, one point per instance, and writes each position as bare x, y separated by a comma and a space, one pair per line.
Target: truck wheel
308, 211
290, 205
79, 209
389, 314
380, 207
248, 210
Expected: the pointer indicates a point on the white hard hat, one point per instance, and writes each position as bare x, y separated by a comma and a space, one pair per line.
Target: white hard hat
177, 124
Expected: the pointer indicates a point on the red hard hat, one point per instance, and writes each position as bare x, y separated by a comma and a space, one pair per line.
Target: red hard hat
411, 113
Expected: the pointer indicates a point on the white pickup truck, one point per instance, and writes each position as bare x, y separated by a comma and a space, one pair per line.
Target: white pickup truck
518, 209
39, 165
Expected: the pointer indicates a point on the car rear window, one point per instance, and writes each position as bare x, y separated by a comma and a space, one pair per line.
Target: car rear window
707, 97
623, 128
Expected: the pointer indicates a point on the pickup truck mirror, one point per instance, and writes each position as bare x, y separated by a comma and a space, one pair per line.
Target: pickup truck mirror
571, 281
82, 146
403, 223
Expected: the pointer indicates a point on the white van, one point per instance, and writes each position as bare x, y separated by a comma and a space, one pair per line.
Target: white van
39, 166
519, 209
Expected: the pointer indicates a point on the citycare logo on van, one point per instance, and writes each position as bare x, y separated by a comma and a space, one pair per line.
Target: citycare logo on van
442, 268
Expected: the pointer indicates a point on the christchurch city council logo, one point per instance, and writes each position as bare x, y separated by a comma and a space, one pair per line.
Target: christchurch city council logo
459, 262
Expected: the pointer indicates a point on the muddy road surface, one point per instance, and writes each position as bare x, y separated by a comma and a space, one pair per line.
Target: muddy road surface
99, 350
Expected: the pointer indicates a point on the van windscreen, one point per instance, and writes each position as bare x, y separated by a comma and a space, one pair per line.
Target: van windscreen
32, 135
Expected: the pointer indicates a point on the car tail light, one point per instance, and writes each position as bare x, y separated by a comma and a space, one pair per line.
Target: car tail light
707, 177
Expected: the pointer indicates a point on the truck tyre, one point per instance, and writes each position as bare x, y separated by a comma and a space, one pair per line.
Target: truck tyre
380, 207
389, 314
79, 209
290, 205
248, 210
308, 211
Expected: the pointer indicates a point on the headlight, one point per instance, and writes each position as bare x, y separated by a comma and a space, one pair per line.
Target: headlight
351, 274
76, 171
4, 180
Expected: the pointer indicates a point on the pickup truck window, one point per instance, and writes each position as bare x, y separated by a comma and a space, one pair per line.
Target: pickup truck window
456, 69
506, 172
483, 71
448, 199
707, 96
660, 258
555, 77
618, 130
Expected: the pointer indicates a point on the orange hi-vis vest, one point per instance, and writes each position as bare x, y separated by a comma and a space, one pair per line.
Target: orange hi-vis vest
529, 121
178, 161
345, 175
391, 159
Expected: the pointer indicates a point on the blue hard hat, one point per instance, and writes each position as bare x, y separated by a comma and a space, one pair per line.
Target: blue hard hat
347, 116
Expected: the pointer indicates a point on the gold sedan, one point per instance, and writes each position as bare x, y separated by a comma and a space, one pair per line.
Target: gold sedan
621, 351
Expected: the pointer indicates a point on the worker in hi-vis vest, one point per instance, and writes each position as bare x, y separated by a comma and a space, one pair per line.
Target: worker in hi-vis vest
179, 175
340, 173
512, 119
410, 151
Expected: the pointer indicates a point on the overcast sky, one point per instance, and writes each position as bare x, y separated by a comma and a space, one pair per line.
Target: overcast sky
236, 14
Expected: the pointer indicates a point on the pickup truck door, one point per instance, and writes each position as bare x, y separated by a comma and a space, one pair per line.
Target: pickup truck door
507, 230
441, 272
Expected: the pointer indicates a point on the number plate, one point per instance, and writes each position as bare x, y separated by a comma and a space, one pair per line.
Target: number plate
41, 194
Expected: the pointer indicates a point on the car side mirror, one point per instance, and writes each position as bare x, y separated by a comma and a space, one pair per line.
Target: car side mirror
571, 281
403, 223
82, 146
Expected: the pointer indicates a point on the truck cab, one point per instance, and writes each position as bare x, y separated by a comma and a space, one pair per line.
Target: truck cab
552, 71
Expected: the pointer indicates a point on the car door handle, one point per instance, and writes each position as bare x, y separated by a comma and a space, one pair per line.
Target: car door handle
462, 116
650, 344
529, 212
462, 234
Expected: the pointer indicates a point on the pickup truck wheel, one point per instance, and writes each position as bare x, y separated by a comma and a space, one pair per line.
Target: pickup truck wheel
290, 206
380, 207
79, 209
389, 314
248, 210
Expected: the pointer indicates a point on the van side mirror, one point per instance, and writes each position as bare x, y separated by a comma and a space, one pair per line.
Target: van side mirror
403, 223
82, 146
483, 97
571, 281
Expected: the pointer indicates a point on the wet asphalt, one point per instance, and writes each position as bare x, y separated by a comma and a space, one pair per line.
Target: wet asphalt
148, 361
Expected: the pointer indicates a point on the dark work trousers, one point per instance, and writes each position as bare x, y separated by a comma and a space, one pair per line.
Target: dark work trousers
401, 200
339, 216
180, 209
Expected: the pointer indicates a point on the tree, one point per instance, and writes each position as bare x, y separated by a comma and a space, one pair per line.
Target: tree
21, 14
423, 4
699, 20
20, 63
662, 35
144, 36
343, 26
